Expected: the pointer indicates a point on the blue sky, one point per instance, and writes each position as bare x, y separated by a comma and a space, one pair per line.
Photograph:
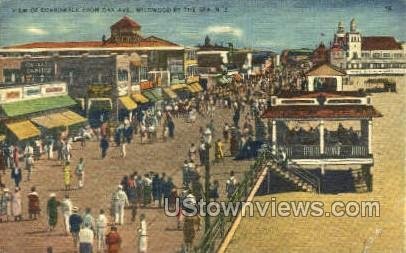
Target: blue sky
272, 24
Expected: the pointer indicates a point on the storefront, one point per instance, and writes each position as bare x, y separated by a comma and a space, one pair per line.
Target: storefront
126, 108
181, 90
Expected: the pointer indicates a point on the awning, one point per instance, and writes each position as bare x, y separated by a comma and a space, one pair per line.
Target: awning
195, 88
139, 98
153, 95
128, 103
54, 120
2, 137
170, 93
37, 105
178, 86
23, 129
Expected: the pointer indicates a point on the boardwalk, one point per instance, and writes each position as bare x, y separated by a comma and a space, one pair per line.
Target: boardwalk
101, 179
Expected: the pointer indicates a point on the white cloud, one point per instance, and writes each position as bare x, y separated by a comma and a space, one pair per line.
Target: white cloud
36, 31
225, 29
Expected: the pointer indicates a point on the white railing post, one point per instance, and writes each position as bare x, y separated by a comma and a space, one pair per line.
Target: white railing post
321, 128
370, 136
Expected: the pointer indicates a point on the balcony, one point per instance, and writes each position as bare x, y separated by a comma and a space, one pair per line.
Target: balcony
336, 151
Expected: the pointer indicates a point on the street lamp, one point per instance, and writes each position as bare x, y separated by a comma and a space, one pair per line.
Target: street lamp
207, 141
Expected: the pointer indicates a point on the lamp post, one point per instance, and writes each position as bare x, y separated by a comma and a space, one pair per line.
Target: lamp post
207, 140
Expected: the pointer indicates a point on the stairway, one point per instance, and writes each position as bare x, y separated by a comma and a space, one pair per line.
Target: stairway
302, 180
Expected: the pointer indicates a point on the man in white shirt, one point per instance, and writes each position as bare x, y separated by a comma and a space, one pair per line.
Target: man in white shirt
119, 200
66, 208
86, 236
101, 224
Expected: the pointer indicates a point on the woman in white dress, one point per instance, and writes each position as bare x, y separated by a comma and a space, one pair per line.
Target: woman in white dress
142, 235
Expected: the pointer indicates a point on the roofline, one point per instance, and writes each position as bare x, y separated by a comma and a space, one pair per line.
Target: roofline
29, 50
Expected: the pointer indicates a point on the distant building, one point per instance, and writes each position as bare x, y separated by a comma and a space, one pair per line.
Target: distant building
104, 70
320, 55
367, 55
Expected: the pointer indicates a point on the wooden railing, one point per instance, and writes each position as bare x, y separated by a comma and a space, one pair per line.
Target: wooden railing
336, 151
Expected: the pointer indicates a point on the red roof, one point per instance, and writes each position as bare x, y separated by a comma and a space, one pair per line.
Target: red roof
147, 42
321, 112
316, 94
380, 43
126, 22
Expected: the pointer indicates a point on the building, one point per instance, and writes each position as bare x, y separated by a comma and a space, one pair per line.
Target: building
33, 111
324, 130
367, 55
320, 55
101, 74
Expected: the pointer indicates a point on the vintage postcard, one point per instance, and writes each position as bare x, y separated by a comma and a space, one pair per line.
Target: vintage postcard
186, 126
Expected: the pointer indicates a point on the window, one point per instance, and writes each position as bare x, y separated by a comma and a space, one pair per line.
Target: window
386, 55
355, 55
11, 76
122, 75
191, 55
135, 75
365, 55
398, 55
191, 70
143, 73
376, 55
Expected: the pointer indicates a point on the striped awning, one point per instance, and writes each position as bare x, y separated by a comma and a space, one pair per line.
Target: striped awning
55, 120
23, 129
170, 93
178, 86
128, 103
139, 98
195, 87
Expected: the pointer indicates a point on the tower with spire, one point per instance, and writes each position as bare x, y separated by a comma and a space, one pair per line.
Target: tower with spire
353, 42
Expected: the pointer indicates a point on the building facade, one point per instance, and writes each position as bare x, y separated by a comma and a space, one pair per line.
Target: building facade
367, 55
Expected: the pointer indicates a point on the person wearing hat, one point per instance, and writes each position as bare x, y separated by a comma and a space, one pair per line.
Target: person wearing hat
52, 211
113, 240
16, 204
66, 208
75, 221
119, 201
33, 204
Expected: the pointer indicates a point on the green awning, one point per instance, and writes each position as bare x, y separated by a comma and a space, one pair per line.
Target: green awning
153, 95
36, 105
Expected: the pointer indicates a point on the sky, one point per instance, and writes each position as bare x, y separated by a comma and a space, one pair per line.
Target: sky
261, 24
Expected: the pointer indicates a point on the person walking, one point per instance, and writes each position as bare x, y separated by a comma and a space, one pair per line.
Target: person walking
16, 175
156, 188
104, 146
218, 150
113, 240
5, 204
231, 185
80, 173
67, 176
119, 201
88, 220
86, 237
142, 235
75, 221
66, 208
16, 205
29, 165
52, 211
33, 204
101, 224
147, 190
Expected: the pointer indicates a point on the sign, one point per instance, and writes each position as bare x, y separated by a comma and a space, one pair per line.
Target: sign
38, 68
12, 95
53, 89
146, 85
32, 91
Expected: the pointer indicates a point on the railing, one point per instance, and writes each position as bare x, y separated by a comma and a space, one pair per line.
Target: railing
330, 151
346, 151
221, 224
